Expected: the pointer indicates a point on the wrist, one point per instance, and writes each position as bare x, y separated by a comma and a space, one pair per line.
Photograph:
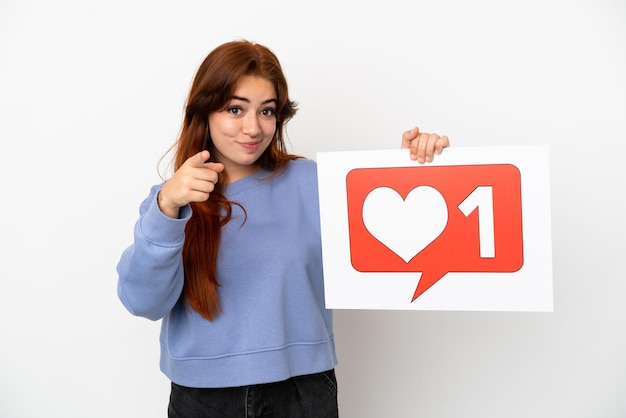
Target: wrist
166, 208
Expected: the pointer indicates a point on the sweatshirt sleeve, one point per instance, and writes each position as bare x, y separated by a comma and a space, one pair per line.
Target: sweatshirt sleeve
150, 271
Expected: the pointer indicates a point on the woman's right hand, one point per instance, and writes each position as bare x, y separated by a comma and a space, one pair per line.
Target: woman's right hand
192, 182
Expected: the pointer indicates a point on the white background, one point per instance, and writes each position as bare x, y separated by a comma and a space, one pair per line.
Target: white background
91, 96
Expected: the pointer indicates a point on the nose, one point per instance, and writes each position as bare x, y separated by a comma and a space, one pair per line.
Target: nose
251, 125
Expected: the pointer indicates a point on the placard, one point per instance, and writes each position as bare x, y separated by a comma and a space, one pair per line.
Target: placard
469, 231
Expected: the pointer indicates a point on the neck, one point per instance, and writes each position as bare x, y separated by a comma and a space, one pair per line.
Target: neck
237, 173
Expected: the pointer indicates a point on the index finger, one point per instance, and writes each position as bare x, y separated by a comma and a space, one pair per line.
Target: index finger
198, 159
408, 137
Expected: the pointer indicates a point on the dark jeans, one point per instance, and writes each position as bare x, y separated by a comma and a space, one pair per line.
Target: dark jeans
309, 396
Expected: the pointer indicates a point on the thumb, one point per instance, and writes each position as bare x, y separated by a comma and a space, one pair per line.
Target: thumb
217, 167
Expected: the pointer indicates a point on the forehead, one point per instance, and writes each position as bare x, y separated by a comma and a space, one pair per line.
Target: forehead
255, 87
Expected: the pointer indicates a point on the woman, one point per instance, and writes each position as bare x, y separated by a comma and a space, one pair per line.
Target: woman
228, 251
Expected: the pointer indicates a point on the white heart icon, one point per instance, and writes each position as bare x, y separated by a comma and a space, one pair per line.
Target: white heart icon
406, 226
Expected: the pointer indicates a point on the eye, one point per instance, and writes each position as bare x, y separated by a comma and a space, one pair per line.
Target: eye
234, 110
269, 112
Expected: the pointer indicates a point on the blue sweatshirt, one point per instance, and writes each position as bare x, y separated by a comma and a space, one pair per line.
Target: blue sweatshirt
274, 324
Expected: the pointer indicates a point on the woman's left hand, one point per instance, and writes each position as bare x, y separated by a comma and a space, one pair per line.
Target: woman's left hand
423, 146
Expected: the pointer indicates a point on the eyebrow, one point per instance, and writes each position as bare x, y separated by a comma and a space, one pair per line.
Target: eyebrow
243, 99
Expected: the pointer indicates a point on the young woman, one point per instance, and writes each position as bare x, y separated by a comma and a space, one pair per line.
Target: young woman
227, 251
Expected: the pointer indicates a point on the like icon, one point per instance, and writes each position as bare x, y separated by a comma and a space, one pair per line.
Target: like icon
435, 220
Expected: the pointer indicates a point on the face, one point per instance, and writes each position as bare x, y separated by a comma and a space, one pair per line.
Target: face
244, 129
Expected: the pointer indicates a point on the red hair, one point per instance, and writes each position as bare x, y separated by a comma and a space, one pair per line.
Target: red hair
211, 91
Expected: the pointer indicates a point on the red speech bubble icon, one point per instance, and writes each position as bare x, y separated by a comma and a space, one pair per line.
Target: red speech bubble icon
435, 220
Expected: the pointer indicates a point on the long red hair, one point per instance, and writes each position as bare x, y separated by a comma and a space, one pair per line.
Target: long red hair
211, 90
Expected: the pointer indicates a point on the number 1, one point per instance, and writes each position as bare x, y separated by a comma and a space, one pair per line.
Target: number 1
482, 199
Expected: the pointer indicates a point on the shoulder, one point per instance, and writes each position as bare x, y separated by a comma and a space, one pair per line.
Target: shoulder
300, 173
302, 166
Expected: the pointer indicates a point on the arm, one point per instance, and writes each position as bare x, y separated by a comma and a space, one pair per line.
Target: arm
151, 271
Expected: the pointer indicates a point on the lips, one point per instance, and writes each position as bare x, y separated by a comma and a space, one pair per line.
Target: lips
250, 145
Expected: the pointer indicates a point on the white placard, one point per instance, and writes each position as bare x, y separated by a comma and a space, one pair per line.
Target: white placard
469, 231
